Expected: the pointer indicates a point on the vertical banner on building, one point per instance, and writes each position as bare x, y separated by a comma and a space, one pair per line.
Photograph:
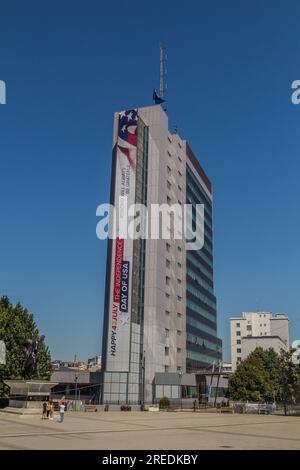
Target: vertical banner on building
118, 345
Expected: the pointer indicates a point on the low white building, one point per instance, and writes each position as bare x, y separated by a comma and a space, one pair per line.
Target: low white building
250, 343
94, 363
226, 367
296, 353
257, 329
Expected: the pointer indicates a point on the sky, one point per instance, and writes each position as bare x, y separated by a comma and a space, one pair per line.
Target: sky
68, 66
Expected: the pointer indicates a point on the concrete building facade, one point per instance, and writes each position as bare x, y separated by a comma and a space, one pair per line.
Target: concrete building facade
167, 322
257, 329
249, 344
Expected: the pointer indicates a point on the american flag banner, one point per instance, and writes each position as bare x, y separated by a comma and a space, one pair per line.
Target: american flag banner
122, 249
127, 136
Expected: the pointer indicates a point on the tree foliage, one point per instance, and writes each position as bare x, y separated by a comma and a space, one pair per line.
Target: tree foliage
256, 378
266, 376
16, 326
289, 379
164, 403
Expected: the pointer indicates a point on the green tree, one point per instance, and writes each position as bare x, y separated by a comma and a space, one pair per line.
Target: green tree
289, 379
16, 326
257, 378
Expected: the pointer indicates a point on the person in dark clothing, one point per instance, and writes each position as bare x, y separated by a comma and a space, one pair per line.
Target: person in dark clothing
44, 415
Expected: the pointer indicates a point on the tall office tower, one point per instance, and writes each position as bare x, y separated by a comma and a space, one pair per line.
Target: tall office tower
160, 308
257, 330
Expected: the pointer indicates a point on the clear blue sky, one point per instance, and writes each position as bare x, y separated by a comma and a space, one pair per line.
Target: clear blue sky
68, 66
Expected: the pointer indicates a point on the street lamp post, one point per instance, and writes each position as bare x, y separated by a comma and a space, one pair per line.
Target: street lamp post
76, 380
180, 389
143, 383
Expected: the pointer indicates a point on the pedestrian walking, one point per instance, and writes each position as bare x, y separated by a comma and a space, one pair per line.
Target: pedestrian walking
52, 410
44, 415
48, 409
61, 412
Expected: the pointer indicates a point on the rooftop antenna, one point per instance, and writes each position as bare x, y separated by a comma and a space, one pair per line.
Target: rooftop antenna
162, 71
159, 97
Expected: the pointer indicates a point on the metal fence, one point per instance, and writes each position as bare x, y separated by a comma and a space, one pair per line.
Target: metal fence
254, 408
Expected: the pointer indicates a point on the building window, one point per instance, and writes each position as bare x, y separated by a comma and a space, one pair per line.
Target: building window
179, 332
238, 333
167, 312
179, 265
179, 158
168, 169
179, 187
179, 350
169, 140
167, 350
166, 368
169, 153
169, 185
167, 295
168, 280
249, 327
168, 247
178, 368
179, 315
238, 350
179, 145
179, 298
180, 203
179, 172
168, 200
167, 332
238, 325
179, 281
179, 248
260, 324
168, 263
238, 341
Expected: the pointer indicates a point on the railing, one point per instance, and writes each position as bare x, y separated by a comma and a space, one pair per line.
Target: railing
254, 408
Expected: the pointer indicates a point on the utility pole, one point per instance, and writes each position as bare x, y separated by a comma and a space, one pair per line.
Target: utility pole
218, 381
211, 381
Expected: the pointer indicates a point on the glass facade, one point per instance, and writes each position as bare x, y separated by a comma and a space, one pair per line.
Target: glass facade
202, 344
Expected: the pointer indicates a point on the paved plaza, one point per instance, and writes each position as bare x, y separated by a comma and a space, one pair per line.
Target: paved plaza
150, 430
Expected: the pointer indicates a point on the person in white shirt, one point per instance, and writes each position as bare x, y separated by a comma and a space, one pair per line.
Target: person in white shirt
61, 412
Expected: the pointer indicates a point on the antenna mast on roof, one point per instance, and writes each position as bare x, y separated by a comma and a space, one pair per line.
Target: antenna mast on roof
162, 71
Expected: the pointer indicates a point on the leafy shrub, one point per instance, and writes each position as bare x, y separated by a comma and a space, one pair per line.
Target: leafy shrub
164, 403
125, 408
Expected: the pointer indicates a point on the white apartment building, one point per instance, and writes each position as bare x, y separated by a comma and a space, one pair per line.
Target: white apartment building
257, 329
